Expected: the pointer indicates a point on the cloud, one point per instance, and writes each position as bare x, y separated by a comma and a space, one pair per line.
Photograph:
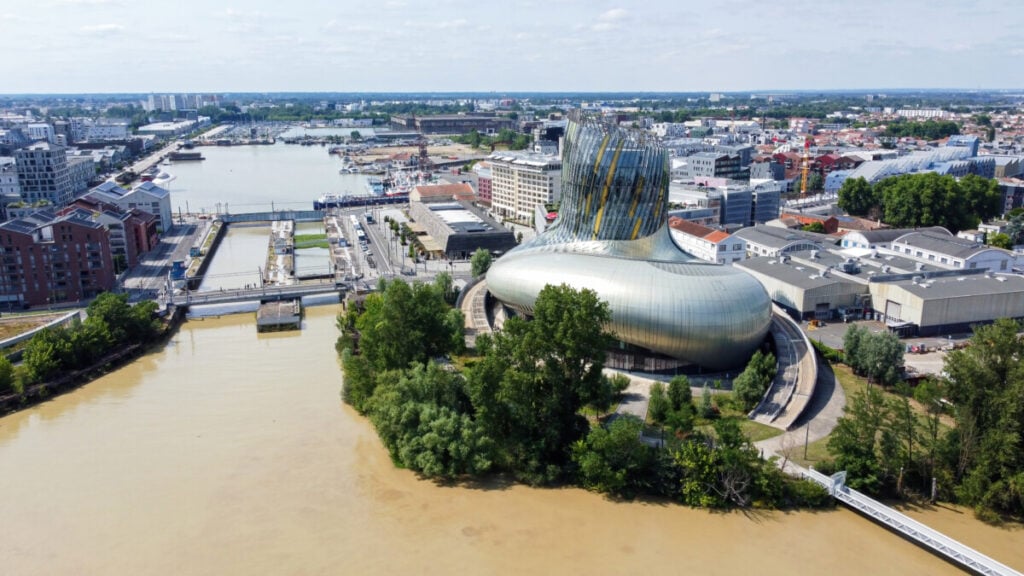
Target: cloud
442, 25
609, 20
613, 15
101, 28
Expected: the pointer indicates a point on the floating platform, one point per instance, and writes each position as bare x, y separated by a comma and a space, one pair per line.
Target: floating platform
279, 315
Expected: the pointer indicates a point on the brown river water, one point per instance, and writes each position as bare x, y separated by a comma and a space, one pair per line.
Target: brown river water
228, 452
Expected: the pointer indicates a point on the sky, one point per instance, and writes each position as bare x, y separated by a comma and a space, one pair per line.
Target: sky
105, 46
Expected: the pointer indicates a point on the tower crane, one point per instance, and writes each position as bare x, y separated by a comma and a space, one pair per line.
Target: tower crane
805, 167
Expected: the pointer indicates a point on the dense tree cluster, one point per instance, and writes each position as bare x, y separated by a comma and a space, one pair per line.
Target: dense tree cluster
519, 407
985, 452
900, 443
929, 129
111, 323
878, 356
508, 138
755, 379
925, 199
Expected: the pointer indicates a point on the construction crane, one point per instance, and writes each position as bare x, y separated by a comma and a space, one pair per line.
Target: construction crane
805, 167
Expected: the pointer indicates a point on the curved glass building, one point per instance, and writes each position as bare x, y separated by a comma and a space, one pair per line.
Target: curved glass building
612, 236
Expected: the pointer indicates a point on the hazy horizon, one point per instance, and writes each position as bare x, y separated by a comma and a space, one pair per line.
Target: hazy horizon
458, 46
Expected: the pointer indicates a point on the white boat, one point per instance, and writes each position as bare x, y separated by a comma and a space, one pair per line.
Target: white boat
163, 178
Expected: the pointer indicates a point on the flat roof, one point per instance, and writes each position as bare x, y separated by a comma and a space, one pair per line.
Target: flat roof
793, 273
963, 286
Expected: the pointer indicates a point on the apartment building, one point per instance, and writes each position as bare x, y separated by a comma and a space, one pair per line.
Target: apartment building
49, 259
44, 174
521, 182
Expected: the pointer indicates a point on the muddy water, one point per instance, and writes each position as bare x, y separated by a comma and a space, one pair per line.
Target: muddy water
241, 255
230, 453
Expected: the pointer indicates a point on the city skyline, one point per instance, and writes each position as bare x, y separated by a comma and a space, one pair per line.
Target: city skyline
112, 46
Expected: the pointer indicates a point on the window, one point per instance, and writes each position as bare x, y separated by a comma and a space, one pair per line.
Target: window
973, 265
944, 260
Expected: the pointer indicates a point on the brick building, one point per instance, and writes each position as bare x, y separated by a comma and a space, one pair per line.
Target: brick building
50, 258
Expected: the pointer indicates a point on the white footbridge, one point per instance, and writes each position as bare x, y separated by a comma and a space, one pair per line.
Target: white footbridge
911, 529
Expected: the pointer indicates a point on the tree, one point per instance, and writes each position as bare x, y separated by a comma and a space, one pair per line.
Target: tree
659, 405
534, 377
877, 356
755, 379
707, 408
986, 387
855, 440
421, 415
6, 375
679, 392
480, 262
1000, 240
355, 135
814, 227
46, 354
404, 323
615, 460
815, 183
857, 197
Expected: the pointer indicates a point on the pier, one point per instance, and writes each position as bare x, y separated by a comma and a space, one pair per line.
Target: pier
279, 315
907, 527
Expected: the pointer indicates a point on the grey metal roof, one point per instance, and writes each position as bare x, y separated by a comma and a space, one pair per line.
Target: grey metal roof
963, 286
792, 273
775, 237
949, 245
886, 235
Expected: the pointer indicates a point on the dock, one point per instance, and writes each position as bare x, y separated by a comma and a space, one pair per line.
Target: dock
279, 315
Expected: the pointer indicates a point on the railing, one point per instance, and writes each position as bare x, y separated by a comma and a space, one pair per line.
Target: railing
908, 527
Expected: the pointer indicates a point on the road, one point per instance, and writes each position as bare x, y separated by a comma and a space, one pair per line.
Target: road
150, 274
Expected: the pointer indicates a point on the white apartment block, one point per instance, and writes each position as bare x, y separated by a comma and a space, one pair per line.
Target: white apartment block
706, 243
40, 131
522, 181
147, 197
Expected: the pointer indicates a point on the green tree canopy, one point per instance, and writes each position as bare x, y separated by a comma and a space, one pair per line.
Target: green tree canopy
535, 376
986, 388
480, 262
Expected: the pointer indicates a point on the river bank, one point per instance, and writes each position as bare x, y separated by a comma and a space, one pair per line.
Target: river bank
230, 452
69, 381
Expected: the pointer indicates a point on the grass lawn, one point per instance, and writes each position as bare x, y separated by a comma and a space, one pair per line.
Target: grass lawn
311, 241
817, 451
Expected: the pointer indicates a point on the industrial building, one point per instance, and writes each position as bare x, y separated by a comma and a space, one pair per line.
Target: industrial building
454, 230
452, 123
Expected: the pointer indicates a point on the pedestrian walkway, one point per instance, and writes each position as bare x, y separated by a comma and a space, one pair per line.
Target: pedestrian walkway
793, 386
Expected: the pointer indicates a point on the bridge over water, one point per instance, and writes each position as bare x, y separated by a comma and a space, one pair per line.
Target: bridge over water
262, 294
908, 527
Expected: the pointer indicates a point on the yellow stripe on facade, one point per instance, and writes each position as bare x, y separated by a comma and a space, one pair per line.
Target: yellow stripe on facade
636, 228
600, 153
607, 187
637, 191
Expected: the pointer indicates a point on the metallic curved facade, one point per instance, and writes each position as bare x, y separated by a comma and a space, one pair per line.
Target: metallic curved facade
612, 237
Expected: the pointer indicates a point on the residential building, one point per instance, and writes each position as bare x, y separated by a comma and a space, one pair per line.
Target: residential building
167, 129
132, 233
44, 175
522, 181
147, 197
49, 259
9, 178
706, 243
428, 193
483, 183
765, 201
41, 132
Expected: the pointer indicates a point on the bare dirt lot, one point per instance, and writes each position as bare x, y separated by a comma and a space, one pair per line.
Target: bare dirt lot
458, 150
